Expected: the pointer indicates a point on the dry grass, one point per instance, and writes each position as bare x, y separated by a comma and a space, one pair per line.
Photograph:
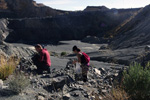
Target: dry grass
7, 66
18, 82
117, 94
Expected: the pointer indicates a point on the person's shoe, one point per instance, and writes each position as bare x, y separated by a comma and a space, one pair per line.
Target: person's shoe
85, 80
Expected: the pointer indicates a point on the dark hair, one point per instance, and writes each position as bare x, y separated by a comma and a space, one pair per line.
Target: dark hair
38, 46
76, 48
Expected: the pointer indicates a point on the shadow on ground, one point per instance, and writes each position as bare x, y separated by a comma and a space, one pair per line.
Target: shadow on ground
7, 93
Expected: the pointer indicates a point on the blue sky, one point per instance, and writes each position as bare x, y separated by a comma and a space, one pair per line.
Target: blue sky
81, 4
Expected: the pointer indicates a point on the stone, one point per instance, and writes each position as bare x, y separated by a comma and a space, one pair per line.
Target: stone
1, 84
103, 71
103, 47
59, 82
103, 91
67, 95
65, 98
74, 94
147, 48
65, 89
97, 71
42, 94
40, 98
4, 31
116, 74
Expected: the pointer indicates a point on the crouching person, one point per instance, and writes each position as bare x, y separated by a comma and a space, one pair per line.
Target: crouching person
42, 59
84, 60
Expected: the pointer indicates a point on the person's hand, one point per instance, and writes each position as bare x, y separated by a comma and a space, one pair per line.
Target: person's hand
74, 62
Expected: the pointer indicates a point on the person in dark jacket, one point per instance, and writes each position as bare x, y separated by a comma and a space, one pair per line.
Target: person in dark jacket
82, 60
42, 59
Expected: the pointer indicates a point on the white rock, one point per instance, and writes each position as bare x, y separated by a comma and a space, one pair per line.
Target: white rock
104, 91
116, 74
4, 87
1, 84
42, 94
97, 71
40, 98
67, 95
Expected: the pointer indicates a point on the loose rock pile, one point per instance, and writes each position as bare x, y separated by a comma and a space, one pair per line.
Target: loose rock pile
62, 84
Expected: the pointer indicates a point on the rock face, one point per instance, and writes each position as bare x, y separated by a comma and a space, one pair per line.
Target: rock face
10, 50
4, 31
134, 33
25, 8
71, 26
29, 21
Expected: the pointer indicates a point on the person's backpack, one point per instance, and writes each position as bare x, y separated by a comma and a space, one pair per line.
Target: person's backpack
87, 58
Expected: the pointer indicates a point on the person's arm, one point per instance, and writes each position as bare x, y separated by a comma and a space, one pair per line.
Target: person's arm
41, 59
79, 59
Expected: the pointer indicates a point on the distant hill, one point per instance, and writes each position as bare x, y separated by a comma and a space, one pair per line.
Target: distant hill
135, 32
96, 8
25, 8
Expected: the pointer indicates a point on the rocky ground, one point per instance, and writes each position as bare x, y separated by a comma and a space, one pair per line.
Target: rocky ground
62, 84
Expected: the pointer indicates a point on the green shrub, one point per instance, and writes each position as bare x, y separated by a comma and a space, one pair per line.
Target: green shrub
136, 82
7, 67
54, 54
63, 53
18, 82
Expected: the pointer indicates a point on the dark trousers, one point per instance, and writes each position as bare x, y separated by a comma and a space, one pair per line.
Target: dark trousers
85, 69
41, 66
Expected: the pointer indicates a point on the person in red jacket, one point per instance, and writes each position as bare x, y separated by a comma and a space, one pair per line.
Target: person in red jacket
84, 60
42, 60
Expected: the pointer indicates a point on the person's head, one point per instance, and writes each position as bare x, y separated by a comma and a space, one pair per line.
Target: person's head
75, 49
38, 48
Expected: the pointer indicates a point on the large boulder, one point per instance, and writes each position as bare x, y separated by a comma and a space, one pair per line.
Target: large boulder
4, 31
11, 50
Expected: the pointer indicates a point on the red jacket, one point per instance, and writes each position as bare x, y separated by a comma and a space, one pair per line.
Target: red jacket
45, 57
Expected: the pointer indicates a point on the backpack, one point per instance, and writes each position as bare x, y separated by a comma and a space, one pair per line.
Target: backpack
87, 58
